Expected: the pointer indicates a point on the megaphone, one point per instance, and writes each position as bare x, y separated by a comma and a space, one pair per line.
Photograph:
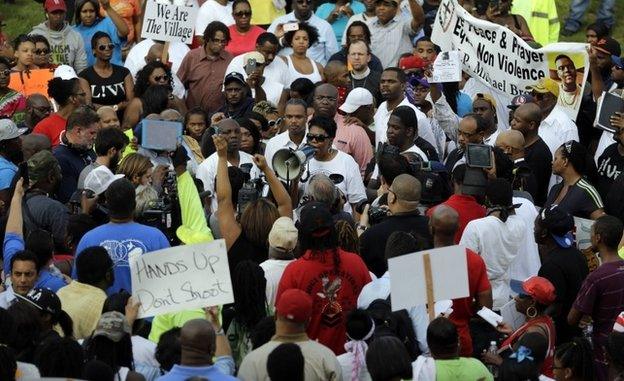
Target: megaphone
288, 164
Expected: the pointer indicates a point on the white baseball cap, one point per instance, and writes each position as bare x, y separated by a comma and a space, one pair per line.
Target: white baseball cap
99, 179
356, 98
9, 130
65, 72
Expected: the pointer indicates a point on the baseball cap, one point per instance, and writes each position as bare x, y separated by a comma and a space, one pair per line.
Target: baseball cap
99, 179
618, 61
294, 305
44, 299
423, 82
520, 100
54, 5
486, 97
65, 72
356, 98
40, 165
559, 223
316, 219
619, 323
9, 130
412, 62
283, 234
545, 85
112, 325
234, 76
536, 287
255, 56
608, 45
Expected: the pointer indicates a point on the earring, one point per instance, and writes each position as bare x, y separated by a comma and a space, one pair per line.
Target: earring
531, 312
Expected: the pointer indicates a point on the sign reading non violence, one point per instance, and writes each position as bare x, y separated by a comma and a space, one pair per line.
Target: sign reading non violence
502, 60
181, 278
168, 22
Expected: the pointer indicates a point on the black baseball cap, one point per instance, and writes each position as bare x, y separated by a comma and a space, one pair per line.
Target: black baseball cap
315, 219
520, 100
234, 76
559, 223
43, 299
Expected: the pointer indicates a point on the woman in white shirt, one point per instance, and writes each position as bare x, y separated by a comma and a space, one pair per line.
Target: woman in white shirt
299, 65
337, 165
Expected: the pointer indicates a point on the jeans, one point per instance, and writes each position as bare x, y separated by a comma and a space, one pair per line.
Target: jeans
578, 8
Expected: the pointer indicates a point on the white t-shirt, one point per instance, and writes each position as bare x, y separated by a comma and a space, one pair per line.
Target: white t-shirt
212, 11
276, 71
352, 186
207, 173
273, 270
143, 351
556, 129
346, 363
278, 142
498, 243
527, 263
273, 91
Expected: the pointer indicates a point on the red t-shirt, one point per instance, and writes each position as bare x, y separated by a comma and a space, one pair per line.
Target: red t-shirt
243, 43
462, 308
334, 295
51, 126
468, 209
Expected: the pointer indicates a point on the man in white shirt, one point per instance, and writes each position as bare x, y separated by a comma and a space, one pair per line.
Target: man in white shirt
282, 241
485, 106
275, 71
213, 10
207, 170
497, 238
326, 45
392, 86
295, 119
556, 127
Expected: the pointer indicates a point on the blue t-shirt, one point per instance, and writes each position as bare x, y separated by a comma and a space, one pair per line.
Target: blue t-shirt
122, 240
104, 25
340, 24
7, 172
464, 104
182, 373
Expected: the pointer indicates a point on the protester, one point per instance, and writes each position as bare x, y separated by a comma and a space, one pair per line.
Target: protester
299, 65
37, 108
242, 32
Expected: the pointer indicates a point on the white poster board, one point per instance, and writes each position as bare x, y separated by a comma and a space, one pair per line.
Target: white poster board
181, 278
449, 271
168, 22
447, 67
582, 232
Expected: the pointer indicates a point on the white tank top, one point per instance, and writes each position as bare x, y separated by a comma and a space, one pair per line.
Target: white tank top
294, 74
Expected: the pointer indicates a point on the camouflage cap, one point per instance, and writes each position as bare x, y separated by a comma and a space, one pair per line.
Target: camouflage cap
40, 165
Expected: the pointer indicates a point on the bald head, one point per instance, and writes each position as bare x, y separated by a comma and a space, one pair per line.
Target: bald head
511, 138
336, 73
197, 339
33, 143
108, 117
530, 112
407, 188
444, 223
171, 115
154, 53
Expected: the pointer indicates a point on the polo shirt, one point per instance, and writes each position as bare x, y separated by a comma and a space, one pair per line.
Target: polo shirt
203, 79
353, 140
7, 173
389, 41
326, 45
83, 303
557, 128
468, 209
51, 126
278, 142
212, 11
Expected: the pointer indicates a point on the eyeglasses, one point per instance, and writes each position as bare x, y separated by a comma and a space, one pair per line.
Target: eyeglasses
243, 14
106, 46
161, 78
322, 98
42, 52
274, 122
318, 138
5, 72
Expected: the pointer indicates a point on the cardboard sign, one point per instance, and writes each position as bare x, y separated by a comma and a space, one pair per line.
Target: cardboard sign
31, 82
447, 67
168, 22
449, 276
181, 278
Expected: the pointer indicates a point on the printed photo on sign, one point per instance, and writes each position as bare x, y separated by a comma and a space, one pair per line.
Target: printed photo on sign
567, 69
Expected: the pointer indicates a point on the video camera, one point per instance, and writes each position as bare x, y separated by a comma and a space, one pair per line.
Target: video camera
251, 190
164, 212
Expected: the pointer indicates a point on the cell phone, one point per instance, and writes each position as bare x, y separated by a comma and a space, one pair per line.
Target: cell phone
250, 67
23, 173
291, 27
479, 155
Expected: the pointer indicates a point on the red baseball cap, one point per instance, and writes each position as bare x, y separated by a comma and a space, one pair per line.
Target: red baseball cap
54, 5
294, 305
412, 62
537, 288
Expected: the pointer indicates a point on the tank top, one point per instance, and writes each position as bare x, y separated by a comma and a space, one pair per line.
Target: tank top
294, 74
106, 91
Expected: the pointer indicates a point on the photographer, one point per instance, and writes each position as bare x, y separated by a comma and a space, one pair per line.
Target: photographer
246, 236
403, 201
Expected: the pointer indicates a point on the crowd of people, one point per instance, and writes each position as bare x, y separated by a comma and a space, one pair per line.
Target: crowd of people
315, 143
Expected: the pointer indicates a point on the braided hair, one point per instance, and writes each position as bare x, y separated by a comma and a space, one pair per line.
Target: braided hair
249, 286
577, 355
347, 237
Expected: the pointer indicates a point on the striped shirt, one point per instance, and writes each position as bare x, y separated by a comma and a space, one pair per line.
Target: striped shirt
581, 200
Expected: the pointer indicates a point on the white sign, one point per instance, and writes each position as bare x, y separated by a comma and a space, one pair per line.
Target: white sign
181, 278
502, 60
447, 67
168, 22
582, 232
449, 271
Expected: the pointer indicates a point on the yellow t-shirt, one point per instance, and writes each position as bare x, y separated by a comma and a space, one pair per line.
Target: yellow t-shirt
264, 12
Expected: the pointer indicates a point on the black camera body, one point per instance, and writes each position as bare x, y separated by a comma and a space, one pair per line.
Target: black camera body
164, 212
251, 190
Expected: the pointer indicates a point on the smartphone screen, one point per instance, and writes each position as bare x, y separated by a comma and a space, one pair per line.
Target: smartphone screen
479, 155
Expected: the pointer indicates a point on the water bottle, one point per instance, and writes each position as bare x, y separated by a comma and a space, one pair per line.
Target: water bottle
588, 329
493, 349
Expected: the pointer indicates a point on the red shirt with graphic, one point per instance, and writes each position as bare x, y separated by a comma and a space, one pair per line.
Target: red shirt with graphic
334, 292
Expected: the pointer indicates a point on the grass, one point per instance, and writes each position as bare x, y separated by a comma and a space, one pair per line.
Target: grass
24, 14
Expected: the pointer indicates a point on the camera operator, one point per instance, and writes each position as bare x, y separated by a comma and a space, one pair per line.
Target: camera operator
403, 201
246, 235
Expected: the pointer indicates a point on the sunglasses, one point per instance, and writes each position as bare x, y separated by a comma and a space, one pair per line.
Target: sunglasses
274, 122
161, 78
105, 47
243, 14
5, 72
318, 138
42, 52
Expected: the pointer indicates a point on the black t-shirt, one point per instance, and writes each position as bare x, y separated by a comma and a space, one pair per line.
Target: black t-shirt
581, 200
565, 269
373, 240
243, 249
610, 166
538, 157
370, 83
524, 178
106, 91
